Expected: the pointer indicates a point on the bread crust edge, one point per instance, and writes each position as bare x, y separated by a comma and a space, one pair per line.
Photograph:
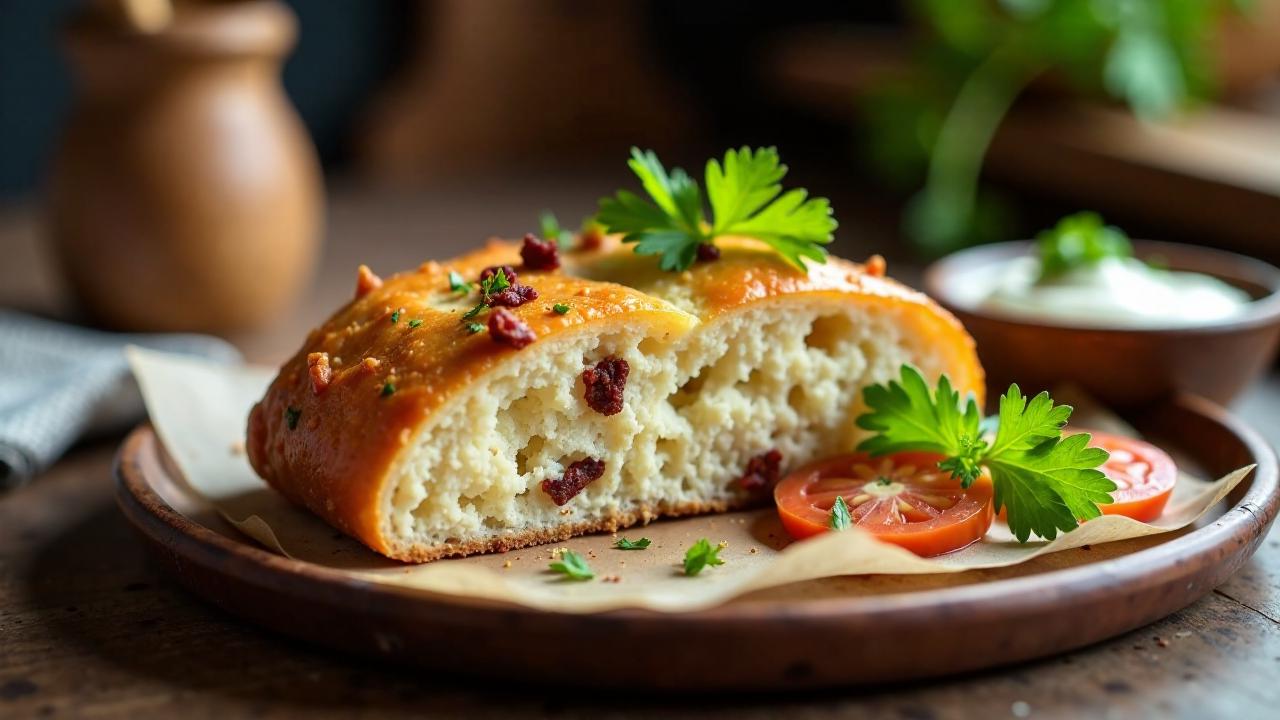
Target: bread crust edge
611, 523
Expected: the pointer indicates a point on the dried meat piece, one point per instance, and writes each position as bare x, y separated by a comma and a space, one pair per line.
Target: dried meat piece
539, 254
605, 384
576, 477
507, 329
591, 238
514, 296
507, 272
762, 471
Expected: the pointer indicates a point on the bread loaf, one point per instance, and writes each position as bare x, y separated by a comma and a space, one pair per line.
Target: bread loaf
619, 394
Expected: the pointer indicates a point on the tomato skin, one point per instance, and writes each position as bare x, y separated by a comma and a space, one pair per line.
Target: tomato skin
941, 517
1143, 473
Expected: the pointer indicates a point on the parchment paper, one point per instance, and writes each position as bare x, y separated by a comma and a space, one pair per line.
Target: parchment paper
199, 409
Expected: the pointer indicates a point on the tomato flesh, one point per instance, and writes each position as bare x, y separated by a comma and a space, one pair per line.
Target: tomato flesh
901, 498
1143, 473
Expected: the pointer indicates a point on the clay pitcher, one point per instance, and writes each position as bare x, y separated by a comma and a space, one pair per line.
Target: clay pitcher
186, 194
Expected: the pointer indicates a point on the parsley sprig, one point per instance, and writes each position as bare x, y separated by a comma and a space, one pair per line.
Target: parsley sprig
551, 230
1077, 241
572, 566
458, 284
628, 544
701, 555
840, 518
746, 197
495, 283
1047, 482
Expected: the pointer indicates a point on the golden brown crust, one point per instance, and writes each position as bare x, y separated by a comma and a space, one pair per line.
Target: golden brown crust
397, 352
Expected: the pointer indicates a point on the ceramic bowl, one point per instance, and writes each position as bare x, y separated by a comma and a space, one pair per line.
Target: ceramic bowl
1122, 367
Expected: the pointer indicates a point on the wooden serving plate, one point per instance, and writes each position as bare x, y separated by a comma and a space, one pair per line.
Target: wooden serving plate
838, 631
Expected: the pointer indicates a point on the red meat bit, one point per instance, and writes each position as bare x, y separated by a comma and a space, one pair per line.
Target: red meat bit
539, 254
366, 281
762, 471
605, 383
708, 252
507, 329
591, 239
576, 477
875, 266
320, 371
489, 272
514, 296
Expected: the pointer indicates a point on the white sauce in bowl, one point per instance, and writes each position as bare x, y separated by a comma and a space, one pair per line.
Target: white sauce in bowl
1112, 293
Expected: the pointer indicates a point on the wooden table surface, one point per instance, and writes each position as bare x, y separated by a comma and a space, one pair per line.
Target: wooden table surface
88, 627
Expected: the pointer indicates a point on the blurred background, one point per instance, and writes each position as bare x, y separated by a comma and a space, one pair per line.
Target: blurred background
158, 160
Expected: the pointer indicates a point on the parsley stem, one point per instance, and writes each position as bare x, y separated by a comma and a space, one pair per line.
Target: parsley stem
942, 212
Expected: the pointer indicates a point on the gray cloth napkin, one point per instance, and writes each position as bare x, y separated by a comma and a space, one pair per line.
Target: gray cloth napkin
59, 383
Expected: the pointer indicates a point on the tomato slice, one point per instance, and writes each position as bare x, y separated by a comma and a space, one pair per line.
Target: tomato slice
902, 498
1143, 473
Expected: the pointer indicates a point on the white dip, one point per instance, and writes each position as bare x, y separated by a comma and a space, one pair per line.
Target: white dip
1114, 293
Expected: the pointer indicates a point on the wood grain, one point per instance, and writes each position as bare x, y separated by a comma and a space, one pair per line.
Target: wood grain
1209, 175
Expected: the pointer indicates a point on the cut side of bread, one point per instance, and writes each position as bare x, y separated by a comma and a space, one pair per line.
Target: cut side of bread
724, 389
783, 376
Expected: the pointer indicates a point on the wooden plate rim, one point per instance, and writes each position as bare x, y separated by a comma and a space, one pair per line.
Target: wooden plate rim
1242, 523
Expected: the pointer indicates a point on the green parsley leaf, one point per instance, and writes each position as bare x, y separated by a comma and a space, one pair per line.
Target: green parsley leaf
1046, 482
1024, 426
474, 327
479, 308
1078, 241
291, 417
416, 322
745, 193
840, 518
572, 566
701, 555
388, 388
625, 544
495, 283
1142, 65
550, 229
395, 316
561, 308
743, 185
674, 247
905, 417
458, 284
796, 227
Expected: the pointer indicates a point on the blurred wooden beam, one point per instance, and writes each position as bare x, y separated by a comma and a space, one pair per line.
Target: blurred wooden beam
502, 84
1213, 173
